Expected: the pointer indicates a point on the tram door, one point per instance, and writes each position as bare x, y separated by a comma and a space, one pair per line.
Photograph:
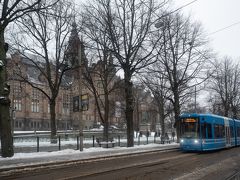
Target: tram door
228, 136
227, 132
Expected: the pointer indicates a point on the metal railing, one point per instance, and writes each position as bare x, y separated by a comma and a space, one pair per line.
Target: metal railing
41, 142
235, 176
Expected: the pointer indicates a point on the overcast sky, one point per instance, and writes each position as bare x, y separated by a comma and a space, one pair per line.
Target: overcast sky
215, 15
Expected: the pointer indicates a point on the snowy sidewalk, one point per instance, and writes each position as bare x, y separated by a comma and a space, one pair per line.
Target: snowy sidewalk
29, 159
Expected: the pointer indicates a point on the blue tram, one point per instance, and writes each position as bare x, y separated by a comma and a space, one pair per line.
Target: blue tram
204, 132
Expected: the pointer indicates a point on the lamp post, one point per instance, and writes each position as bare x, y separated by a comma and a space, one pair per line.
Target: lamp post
80, 104
195, 99
13, 118
75, 54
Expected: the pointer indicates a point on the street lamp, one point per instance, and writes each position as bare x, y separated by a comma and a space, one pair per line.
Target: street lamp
1, 64
160, 24
80, 102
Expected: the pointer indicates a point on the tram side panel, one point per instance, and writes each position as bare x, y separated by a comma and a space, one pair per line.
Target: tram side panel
229, 132
219, 133
232, 132
207, 133
237, 132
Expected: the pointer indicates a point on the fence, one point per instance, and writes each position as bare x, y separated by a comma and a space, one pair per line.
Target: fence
235, 176
41, 142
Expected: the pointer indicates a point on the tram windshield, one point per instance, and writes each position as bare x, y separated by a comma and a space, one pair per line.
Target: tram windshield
189, 127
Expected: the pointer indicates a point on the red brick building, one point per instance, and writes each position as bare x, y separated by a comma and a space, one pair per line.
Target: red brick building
31, 110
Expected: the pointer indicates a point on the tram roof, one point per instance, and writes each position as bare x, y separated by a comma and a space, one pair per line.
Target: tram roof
206, 115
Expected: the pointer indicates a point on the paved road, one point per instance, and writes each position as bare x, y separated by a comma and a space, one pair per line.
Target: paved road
152, 165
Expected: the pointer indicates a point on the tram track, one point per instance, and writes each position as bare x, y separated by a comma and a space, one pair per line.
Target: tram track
38, 168
154, 164
145, 164
138, 165
170, 166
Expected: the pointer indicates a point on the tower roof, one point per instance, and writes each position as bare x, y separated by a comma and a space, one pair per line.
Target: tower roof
74, 38
75, 46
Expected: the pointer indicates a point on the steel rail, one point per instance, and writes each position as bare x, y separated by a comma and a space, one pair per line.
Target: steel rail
35, 168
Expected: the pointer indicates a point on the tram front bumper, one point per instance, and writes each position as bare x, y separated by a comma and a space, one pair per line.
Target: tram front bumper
190, 145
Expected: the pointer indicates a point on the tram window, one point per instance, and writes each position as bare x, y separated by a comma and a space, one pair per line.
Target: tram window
232, 132
203, 127
216, 131
209, 131
223, 131
238, 132
190, 128
206, 131
219, 131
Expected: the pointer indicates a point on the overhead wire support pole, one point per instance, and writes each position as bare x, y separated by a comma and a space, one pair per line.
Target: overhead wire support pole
80, 101
195, 100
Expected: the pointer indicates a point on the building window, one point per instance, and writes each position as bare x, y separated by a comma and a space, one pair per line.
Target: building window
99, 85
16, 124
66, 104
17, 104
17, 97
48, 108
35, 100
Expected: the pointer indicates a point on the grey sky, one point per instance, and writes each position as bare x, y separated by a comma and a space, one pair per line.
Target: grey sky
215, 15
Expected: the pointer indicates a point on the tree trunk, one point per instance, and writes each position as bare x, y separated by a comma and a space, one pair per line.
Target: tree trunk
226, 108
106, 123
137, 121
129, 109
161, 114
235, 112
177, 114
5, 120
53, 121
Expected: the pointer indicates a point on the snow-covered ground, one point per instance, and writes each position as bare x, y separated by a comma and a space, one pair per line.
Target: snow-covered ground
44, 142
38, 158
22, 159
73, 141
88, 151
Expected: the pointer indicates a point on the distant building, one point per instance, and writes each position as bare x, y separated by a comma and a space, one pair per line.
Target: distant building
145, 112
30, 107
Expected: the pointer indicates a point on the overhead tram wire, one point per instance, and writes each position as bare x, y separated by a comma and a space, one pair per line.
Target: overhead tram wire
181, 7
164, 15
185, 5
224, 28
219, 30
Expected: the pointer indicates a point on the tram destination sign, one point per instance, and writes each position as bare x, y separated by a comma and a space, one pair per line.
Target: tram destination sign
190, 120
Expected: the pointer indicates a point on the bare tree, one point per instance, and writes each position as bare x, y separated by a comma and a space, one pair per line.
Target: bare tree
47, 31
156, 83
225, 85
101, 80
183, 58
11, 10
129, 25
100, 77
139, 97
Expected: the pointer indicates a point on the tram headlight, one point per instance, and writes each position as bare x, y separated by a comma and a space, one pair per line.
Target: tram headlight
196, 141
181, 140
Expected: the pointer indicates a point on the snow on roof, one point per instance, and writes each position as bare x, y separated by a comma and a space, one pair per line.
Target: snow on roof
8, 56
